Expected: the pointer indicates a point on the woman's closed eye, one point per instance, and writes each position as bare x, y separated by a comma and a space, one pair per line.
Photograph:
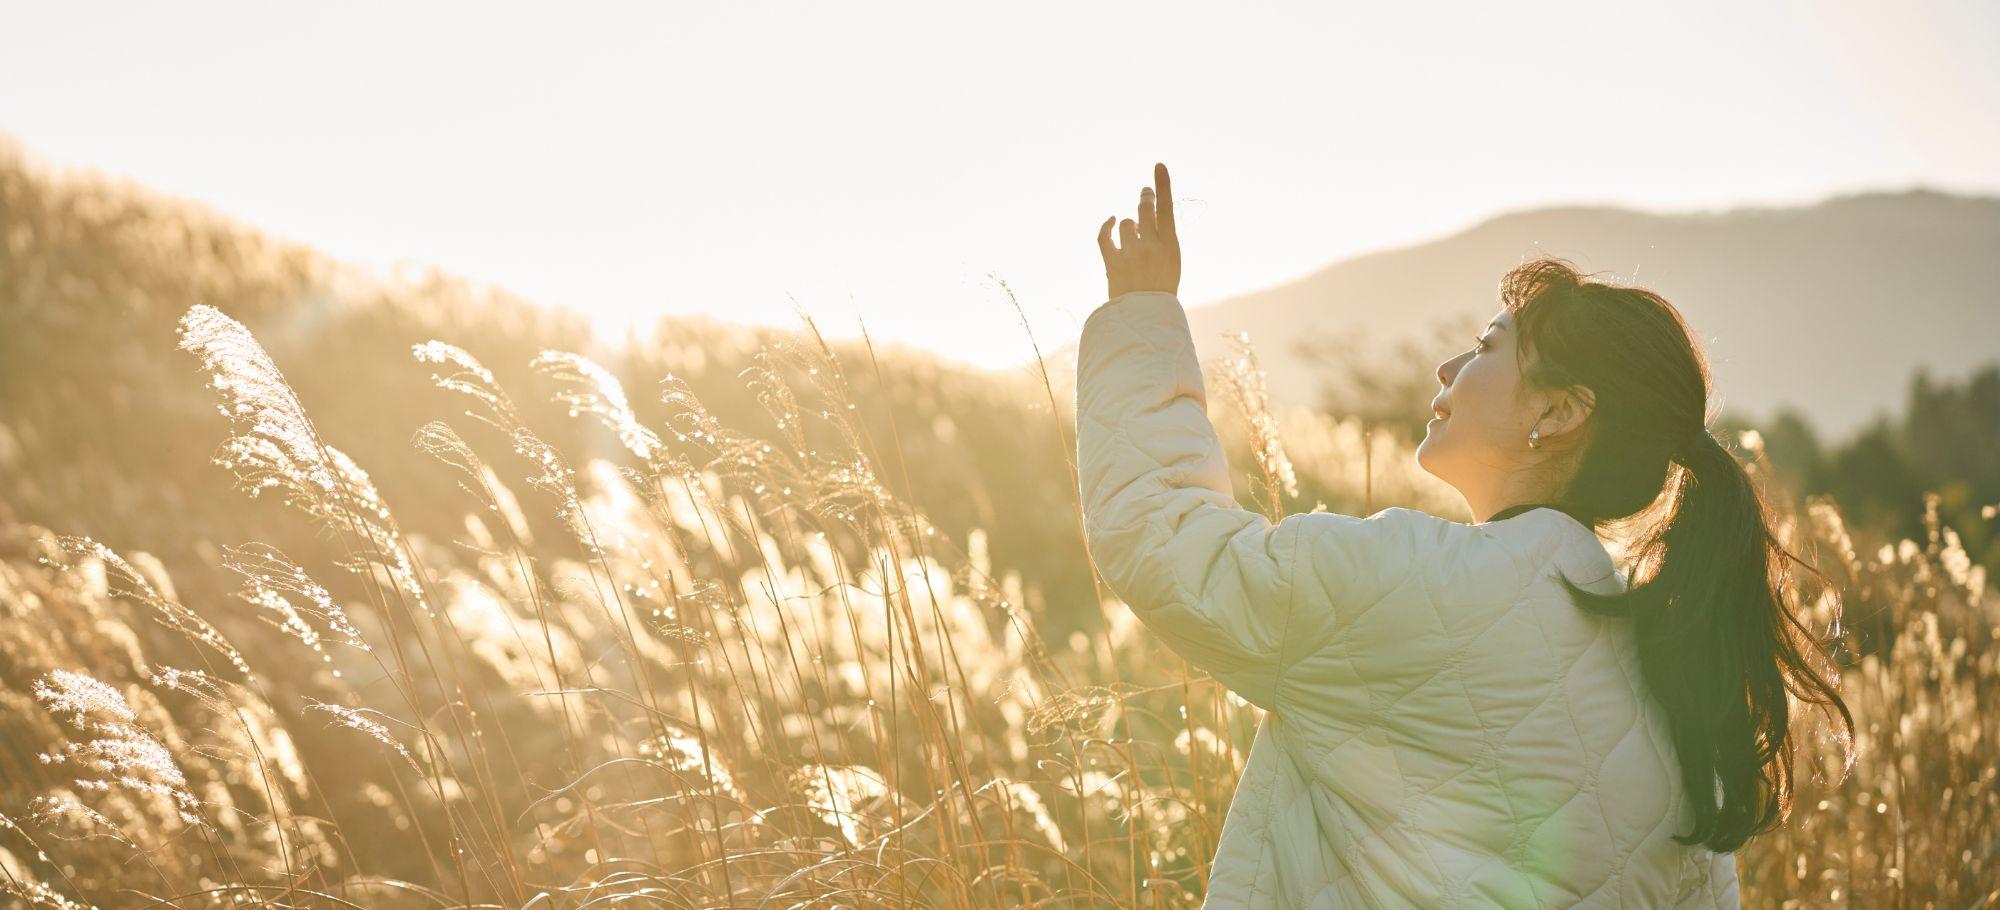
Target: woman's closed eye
1479, 345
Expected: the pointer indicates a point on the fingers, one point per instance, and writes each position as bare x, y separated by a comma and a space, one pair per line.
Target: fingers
1147, 255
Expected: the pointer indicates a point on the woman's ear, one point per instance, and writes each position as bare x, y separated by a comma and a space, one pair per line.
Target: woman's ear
1567, 409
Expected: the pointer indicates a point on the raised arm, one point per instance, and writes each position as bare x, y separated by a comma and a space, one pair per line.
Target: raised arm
1231, 592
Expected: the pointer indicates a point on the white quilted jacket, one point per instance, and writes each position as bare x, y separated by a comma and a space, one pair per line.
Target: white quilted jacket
1441, 727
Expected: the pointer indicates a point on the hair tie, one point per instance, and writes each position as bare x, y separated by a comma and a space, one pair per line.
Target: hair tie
1694, 442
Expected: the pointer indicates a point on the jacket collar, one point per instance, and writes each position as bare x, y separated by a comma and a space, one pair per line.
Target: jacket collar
1519, 508
1581, 554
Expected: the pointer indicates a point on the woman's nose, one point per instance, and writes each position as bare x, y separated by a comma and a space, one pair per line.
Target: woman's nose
1448, 370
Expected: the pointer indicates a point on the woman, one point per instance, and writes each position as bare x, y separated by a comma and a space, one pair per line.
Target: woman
1465, 715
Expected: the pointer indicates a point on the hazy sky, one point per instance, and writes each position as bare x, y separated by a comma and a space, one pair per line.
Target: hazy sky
880, 161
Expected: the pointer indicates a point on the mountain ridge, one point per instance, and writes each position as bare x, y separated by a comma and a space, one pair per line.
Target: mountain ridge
1826, 308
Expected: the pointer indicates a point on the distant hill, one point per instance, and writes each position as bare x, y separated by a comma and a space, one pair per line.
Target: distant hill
1829, 308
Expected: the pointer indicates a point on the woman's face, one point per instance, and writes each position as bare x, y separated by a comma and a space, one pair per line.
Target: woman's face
1483, 436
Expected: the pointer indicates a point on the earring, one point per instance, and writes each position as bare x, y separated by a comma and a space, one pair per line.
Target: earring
1534, 438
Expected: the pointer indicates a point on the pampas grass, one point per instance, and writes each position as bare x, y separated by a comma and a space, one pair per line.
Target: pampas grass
750, 671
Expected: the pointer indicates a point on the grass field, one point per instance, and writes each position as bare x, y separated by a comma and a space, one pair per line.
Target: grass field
306, 605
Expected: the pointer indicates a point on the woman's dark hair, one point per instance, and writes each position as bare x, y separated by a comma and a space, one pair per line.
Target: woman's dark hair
1719, 642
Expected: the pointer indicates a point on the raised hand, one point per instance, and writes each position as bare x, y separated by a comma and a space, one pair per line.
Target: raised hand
1148, 254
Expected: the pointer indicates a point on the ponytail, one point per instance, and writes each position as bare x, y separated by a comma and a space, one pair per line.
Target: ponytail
1720, 645
1712, 600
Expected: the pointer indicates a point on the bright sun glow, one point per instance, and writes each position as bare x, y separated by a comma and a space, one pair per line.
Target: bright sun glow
884, 164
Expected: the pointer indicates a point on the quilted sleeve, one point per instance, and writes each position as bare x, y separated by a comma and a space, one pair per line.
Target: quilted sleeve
1229, 591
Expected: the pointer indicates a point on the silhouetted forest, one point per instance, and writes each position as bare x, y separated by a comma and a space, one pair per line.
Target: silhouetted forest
1946, 439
